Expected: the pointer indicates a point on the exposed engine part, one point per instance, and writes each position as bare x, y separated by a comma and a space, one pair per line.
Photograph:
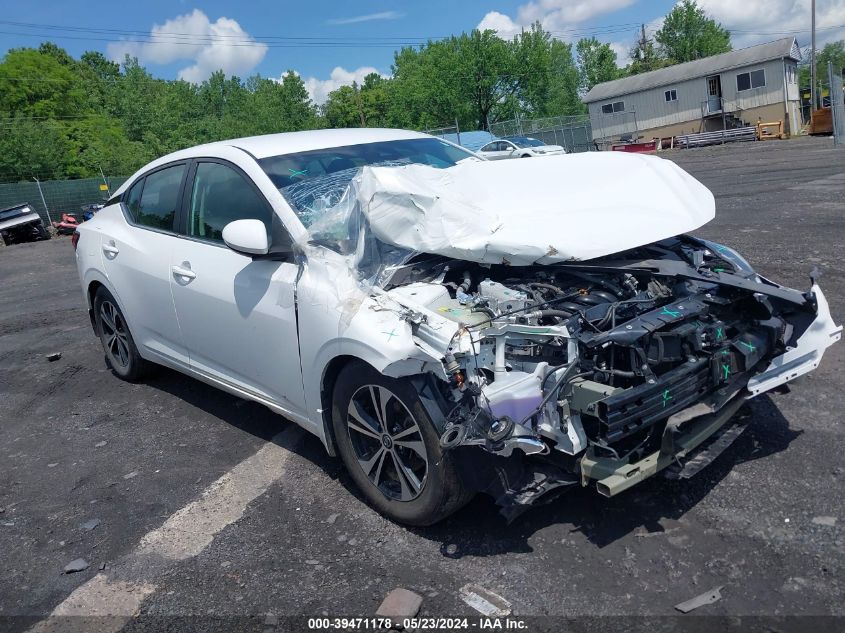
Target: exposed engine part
556, 359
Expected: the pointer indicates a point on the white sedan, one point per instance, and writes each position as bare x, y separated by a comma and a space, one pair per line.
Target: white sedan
446, 325
518, 147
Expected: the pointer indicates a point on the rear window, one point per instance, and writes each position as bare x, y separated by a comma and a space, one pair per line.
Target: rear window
153, 201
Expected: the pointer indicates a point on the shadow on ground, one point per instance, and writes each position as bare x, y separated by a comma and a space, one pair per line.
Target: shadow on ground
478, 529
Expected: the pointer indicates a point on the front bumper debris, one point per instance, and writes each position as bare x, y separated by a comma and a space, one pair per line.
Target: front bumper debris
612, 476
807, 353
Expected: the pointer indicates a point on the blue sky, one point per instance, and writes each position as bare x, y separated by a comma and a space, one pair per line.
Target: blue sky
194, 37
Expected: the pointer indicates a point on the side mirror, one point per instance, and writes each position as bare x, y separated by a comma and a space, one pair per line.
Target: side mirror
247, 236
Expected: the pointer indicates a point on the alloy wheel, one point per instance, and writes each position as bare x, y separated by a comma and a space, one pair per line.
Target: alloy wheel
387, 442
115, 335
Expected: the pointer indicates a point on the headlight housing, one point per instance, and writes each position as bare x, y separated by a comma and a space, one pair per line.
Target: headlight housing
726, 252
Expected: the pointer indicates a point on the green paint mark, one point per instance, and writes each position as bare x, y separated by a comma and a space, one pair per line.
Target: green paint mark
725, 352
297, 172
671, 313
748, 346
726, 370
718, 270
666, 398
390, 334
719, 333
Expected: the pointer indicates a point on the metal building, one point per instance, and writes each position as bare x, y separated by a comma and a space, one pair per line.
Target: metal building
742, 87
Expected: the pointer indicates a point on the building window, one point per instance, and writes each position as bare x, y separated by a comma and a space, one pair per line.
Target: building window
749, 80
612, 108
670, 95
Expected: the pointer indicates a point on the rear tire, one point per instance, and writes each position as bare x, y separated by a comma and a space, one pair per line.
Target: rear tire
391, 449
121, 353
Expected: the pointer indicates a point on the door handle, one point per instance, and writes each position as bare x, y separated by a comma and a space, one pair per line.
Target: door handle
110, 250
186, 274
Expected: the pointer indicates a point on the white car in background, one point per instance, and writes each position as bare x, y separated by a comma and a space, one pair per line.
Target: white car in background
518, 147
445, 324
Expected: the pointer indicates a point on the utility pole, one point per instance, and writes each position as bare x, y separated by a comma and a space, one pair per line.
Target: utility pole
813, 84
646, 65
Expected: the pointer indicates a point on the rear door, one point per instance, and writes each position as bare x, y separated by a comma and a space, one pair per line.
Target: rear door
236, 312
136, 260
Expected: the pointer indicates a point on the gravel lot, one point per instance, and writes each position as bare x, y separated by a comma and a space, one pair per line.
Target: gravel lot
766, 521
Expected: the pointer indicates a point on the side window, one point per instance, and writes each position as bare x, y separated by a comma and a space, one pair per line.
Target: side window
159, 198
490, 147
133, 199
221, 195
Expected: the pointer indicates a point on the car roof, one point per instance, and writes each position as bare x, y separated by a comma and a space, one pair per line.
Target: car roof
282, 143
307, 140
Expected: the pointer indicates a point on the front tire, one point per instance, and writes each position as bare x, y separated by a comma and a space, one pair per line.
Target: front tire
391, 449
121, 353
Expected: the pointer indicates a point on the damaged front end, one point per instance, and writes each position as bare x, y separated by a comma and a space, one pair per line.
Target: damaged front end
575, 354
607, 371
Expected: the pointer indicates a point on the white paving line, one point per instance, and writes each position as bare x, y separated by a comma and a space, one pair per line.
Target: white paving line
183, 535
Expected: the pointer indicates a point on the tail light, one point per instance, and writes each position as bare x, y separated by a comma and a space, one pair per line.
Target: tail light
74, 239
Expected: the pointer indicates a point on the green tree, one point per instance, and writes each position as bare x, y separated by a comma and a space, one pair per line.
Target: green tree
357, 106
36, 84
343, 107
563, 99
833, 52
465, 77
596, 63
688, 33
31, 148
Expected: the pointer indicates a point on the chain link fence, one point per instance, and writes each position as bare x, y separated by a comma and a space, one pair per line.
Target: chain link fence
51, 198
573, 133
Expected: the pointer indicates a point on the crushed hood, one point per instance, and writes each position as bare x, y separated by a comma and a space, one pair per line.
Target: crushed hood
543, 210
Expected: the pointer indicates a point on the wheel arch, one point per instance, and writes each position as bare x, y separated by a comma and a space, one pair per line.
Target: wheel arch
90, 293
327, 382
413, 370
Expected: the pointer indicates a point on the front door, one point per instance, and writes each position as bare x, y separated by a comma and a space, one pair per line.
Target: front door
714, 94
236, 313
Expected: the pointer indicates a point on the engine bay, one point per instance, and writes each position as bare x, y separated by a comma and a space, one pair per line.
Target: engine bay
556, 359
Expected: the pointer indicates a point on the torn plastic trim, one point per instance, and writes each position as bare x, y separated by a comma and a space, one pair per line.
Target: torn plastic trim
807, 353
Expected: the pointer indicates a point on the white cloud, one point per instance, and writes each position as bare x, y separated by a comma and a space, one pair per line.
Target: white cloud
219, 45
623, 52
319, 89
556, 16
499, 22
370, 17
756, 21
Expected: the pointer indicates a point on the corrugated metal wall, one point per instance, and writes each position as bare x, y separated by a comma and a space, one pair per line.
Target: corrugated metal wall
653, 111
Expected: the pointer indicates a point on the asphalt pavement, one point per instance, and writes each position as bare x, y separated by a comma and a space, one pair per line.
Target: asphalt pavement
196, 509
